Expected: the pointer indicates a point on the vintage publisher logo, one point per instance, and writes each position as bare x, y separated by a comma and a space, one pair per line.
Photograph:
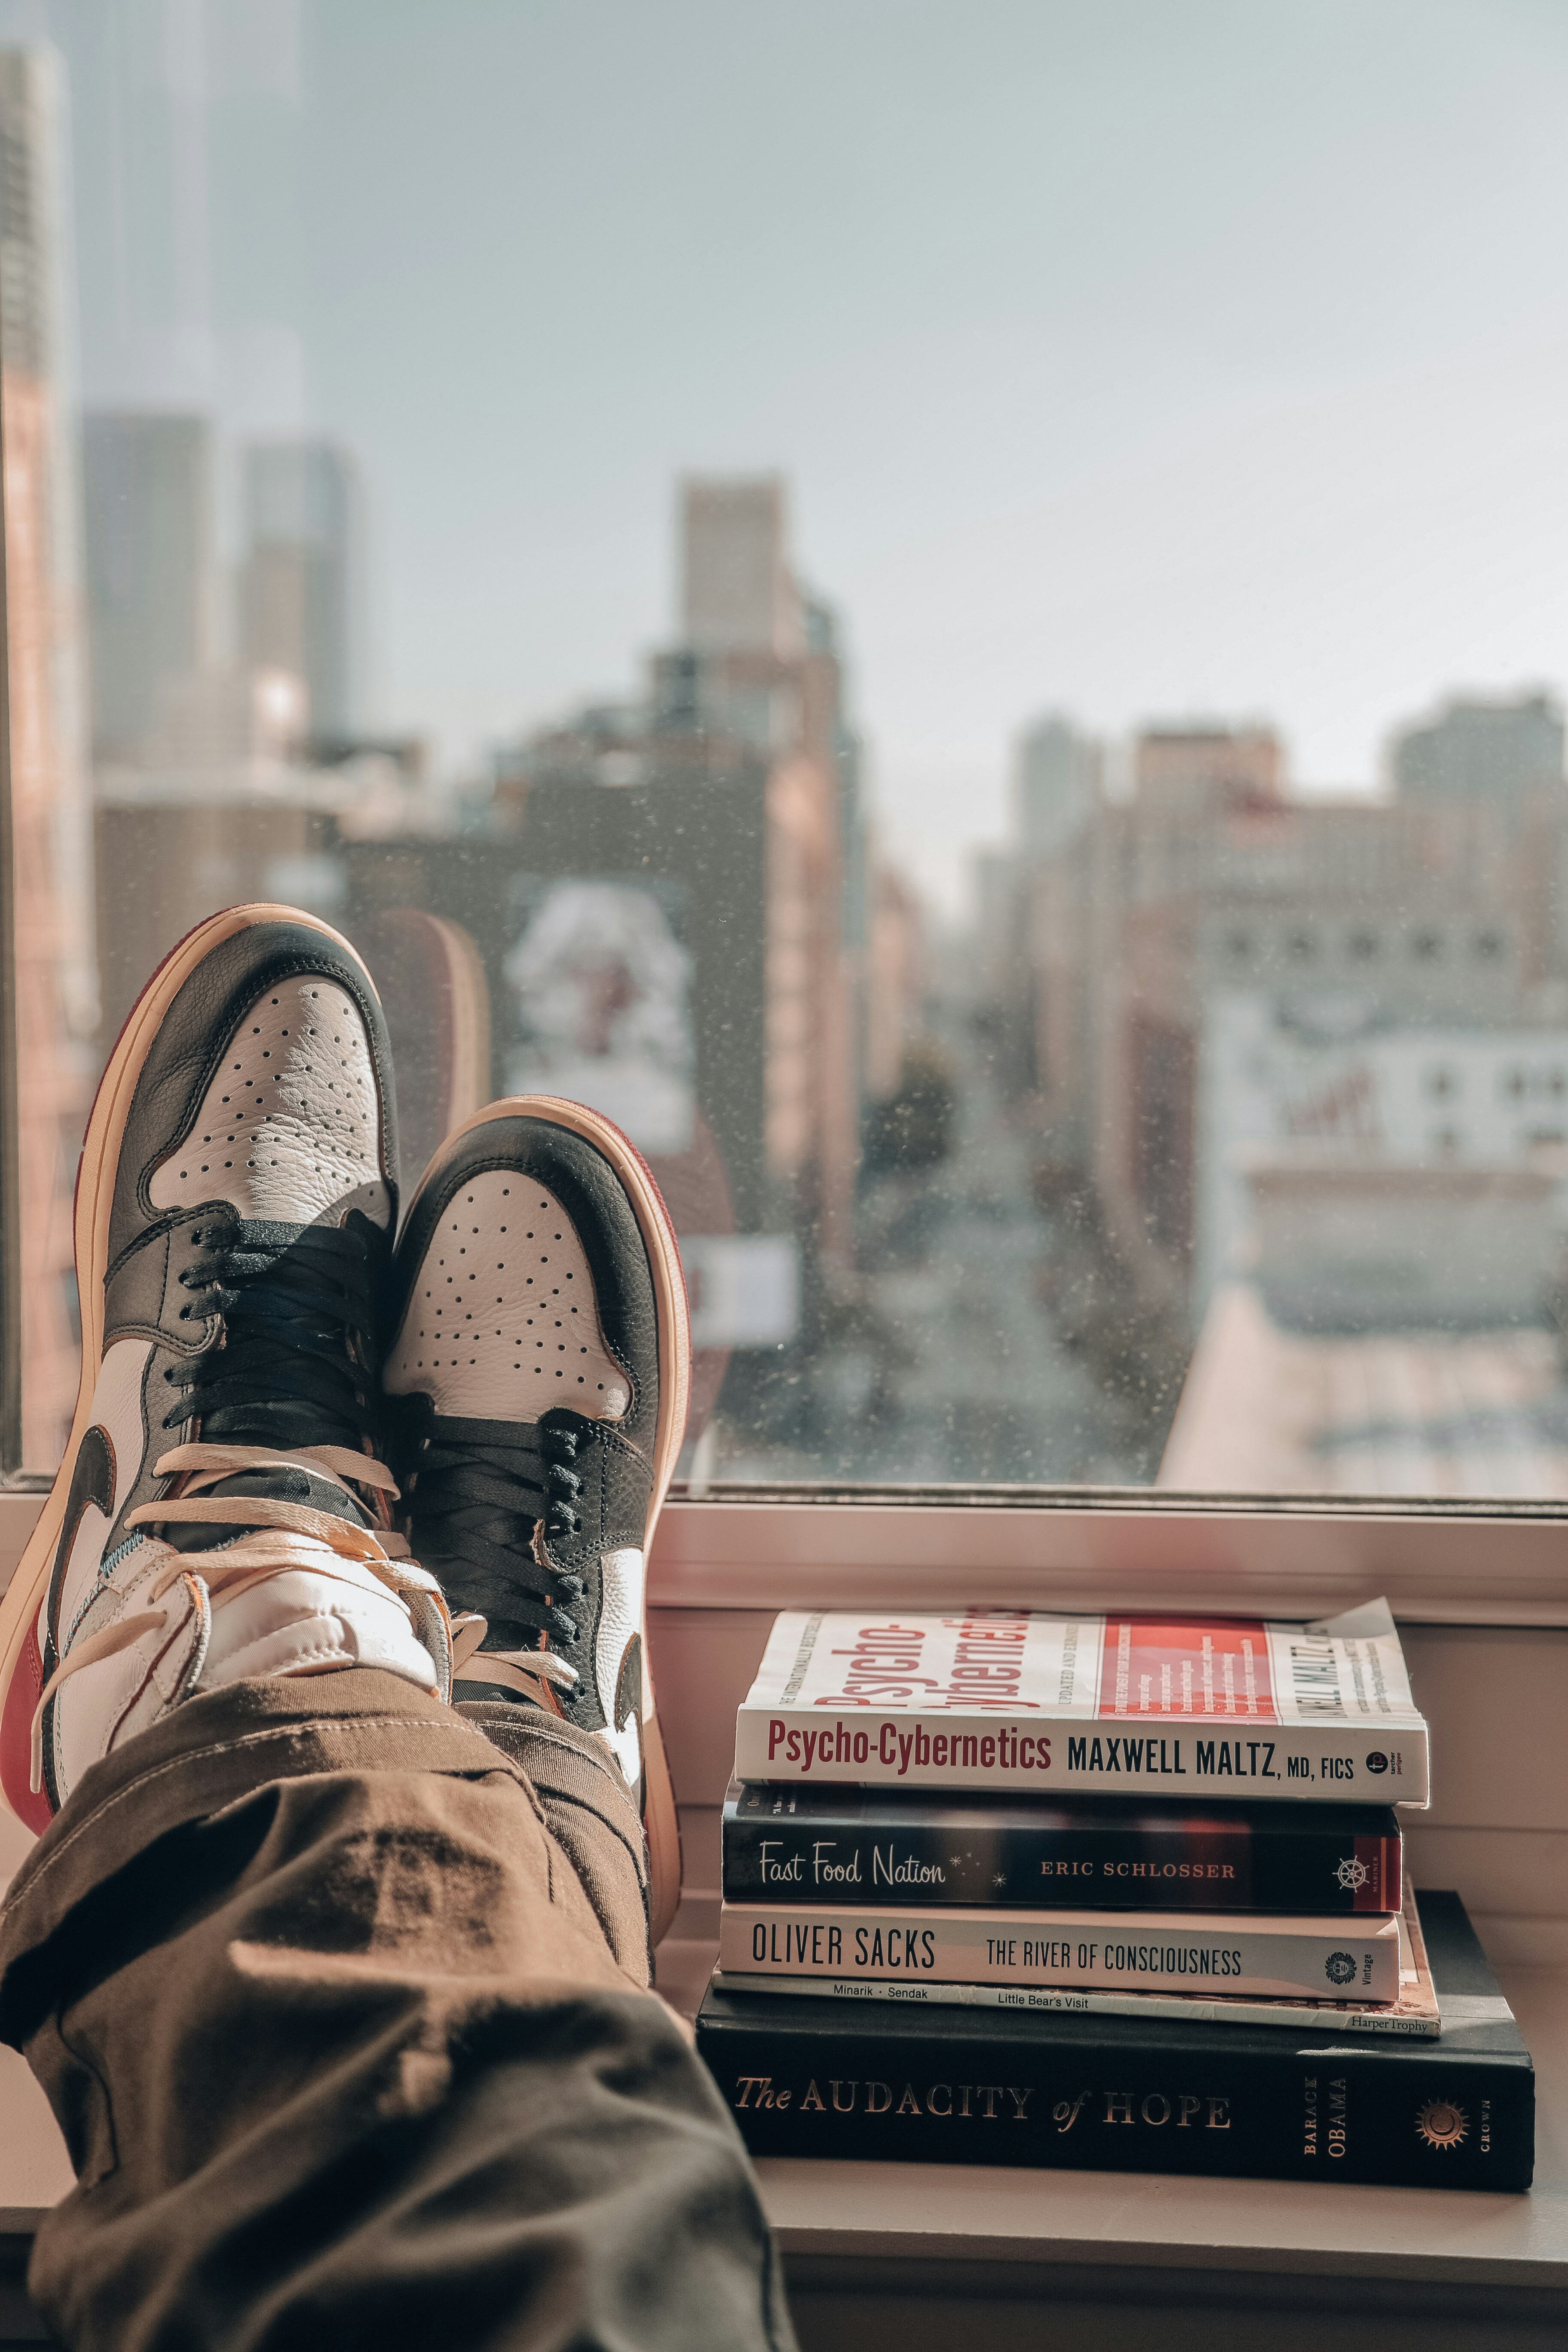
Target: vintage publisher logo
1377, 1762
1339, 1969
1353, 1874
1442, 2124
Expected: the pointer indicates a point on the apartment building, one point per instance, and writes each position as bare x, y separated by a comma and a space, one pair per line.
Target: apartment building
1173, 931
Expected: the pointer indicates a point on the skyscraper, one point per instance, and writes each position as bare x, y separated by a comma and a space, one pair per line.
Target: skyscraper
739, 594
302, 586
1057, 786
1208, 771
766, 668
47, 1078
1495, 753
148, 484
734, 791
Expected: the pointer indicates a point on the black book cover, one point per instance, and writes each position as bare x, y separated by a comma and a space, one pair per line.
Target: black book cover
838, 1844
958, 2086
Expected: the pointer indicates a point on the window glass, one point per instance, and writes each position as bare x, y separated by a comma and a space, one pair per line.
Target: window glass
956, 615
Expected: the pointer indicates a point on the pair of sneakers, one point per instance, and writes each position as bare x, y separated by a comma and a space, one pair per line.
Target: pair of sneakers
310, 1436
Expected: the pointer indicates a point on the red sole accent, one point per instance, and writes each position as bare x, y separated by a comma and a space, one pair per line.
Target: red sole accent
31, 1809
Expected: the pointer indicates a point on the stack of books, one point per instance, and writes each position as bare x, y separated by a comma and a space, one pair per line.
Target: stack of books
1133, 1888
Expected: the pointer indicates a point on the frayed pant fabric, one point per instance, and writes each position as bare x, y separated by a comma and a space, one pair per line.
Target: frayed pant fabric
342, 2005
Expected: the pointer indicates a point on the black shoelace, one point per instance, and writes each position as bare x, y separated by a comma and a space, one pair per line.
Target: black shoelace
298, 1363
476, 1491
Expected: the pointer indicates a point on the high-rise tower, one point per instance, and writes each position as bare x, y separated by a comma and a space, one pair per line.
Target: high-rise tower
302, 589
737, 593
148, 534
54, 1003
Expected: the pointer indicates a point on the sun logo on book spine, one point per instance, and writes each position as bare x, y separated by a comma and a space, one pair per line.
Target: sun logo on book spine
1353, 1874
1441, 2124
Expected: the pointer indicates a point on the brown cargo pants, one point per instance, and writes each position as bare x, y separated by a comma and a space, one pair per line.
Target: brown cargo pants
342, 2005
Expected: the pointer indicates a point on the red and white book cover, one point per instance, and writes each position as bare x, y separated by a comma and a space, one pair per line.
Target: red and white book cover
1199, 1708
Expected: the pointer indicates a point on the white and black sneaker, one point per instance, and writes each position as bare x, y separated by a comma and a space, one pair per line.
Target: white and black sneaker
540, 1341
222, 1510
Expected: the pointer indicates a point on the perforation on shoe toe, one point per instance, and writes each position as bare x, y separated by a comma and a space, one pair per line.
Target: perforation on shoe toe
502, 1321
289, 1128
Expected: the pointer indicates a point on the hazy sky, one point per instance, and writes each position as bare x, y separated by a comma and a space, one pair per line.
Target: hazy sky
1138, 357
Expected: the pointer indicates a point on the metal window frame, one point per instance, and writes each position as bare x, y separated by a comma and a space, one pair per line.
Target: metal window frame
741, 1548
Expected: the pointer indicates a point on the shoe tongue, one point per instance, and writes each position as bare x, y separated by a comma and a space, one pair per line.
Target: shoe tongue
287, 1484
287, 1373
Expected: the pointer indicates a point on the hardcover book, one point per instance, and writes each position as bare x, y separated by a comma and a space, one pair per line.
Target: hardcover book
1414, 2012
830, 2078
1261, 1953
1196, 1709
898, 1846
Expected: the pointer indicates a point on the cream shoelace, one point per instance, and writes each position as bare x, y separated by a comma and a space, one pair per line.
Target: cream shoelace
532, 1672
281, 1537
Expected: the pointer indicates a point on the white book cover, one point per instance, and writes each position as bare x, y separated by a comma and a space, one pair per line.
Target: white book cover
1200, 1708
1415, 2014
1250, 1953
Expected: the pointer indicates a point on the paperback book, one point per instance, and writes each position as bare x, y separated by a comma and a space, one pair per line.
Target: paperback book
878, 2080
1195, 1708
1415, 2011
1262, 1953
893, 1846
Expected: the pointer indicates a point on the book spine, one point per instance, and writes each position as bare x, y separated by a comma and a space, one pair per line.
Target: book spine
1046, 1756
1181, 2009
1059, 1866
937, 1947
1404, 2115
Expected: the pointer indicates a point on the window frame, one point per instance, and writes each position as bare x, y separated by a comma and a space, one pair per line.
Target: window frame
741, 1547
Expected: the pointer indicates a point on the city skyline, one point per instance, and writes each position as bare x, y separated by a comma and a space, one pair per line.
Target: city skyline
219, 595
